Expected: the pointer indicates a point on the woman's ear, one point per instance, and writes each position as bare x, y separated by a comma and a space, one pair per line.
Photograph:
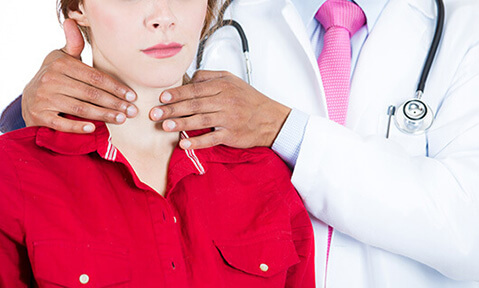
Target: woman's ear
79, 16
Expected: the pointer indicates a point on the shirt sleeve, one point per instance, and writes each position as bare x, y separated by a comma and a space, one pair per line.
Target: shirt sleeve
288, 142
11, 118
301, 275
15, 268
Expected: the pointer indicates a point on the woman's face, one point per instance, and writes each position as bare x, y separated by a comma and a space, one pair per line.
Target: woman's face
149, 43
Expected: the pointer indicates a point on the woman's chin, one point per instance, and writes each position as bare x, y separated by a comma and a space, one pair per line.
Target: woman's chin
160, 81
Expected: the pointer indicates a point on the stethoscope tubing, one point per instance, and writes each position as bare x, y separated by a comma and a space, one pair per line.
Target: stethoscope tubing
391, 110
434, 47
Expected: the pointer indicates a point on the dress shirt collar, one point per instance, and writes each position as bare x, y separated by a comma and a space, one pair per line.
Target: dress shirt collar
372, 9
182, 162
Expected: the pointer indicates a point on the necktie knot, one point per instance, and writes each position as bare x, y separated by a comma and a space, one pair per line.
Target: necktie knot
341, 13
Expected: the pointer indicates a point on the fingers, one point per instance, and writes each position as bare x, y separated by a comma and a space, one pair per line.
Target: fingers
207, 140
58, 103
195, 122
185, 108
66, 85
71, 90
86, 110
56, 122
100, 98
83, 73
205, 75
193, 90
74, 39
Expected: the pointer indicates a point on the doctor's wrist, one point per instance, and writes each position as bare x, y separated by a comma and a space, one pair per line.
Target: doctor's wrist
275, 122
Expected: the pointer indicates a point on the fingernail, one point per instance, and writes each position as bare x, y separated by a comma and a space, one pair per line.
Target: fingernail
166, 97
120, 118
131, 111
185, 144
88, 128
157, 113
170, 125
130, 96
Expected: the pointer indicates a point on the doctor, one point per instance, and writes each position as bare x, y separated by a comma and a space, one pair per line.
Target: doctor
396, 212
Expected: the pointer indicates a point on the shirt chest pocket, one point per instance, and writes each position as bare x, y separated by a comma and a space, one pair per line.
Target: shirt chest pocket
65, 264
257, 263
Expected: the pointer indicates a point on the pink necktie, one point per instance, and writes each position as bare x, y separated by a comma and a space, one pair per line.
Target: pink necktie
340, 19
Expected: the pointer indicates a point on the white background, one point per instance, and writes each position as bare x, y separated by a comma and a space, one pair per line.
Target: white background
29, 30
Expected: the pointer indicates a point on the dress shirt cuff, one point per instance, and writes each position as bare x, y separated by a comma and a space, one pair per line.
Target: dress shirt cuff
11, 118
288, 142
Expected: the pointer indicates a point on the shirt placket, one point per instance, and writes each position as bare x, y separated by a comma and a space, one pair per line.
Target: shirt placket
164, 223
168, 241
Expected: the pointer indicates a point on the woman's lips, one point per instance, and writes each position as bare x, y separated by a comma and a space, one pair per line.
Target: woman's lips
161, 51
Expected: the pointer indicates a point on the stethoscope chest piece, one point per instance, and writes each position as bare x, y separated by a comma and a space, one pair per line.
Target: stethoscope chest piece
414, 117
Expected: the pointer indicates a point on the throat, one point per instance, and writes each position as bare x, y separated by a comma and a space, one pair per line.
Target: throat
151, 170
148, 151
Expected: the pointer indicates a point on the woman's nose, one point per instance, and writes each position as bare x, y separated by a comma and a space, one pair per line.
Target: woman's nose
161, 16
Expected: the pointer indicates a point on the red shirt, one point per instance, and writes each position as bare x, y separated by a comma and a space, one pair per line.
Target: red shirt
74, 214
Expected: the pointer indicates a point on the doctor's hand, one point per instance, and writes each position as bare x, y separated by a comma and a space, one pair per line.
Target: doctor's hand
242, 116
64, 84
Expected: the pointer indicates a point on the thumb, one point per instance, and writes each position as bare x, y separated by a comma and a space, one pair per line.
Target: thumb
74, 39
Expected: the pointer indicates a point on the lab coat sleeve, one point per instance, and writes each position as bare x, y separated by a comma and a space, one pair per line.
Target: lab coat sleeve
15, 268
424, 207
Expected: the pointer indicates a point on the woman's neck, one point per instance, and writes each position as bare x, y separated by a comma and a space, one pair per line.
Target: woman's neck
146, 146
141, 133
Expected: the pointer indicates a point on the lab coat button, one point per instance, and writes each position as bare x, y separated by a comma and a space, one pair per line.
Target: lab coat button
263, 267
84, 279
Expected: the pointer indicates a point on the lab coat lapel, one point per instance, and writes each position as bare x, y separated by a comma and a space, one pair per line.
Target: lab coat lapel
390, 62
294, 22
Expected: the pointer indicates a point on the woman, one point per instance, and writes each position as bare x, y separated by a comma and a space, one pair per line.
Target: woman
124, 206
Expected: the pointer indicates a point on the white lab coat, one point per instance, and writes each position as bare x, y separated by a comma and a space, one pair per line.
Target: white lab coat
405, 209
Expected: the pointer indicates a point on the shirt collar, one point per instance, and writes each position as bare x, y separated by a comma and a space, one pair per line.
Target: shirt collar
182, 162
372, 9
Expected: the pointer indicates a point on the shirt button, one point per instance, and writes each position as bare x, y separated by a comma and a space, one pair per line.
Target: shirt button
84, 279
174, 219
263, 267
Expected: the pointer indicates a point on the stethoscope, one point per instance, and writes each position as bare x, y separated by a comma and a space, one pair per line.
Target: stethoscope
244, 44
413, 117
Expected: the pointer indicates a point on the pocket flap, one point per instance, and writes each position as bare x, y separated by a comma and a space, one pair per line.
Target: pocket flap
263, 258
75, 265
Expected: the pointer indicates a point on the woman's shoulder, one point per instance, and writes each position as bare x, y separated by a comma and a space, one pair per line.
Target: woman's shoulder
251, 188
17, 148
255, 158
18, 141
28, 132
262, 173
